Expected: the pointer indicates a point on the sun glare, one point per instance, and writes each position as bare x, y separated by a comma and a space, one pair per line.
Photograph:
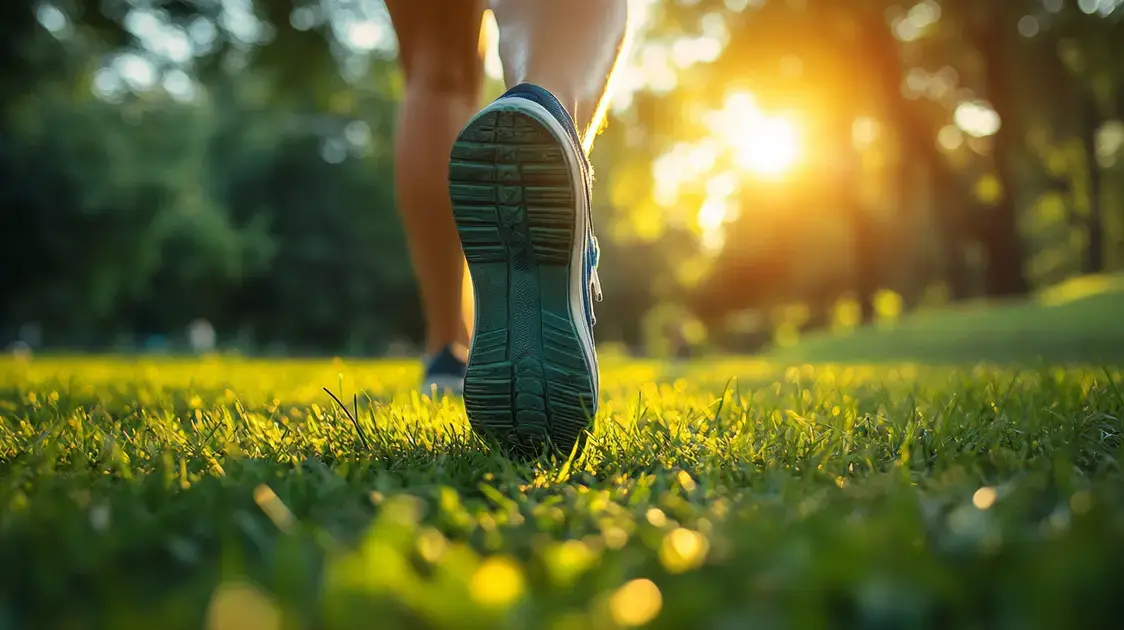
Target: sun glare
741, 140
762, 144
768, 146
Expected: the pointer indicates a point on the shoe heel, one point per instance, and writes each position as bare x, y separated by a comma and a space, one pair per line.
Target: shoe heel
513, 199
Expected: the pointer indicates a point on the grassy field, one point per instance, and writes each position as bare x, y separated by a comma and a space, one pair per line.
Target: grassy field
1078, 320
236, 495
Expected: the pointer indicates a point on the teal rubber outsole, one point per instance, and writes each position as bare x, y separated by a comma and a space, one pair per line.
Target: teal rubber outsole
528, 384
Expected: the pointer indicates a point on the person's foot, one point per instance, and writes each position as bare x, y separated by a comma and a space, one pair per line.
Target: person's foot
520, 187
444, 374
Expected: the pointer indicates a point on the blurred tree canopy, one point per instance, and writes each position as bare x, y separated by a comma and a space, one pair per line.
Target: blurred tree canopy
163, 161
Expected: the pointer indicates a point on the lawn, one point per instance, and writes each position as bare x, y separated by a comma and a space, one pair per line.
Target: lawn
236, 495
1078, 320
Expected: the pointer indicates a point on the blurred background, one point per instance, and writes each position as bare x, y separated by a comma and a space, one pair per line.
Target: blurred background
196, 175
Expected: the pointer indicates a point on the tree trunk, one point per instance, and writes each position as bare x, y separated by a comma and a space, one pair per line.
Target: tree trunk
918, 144
1093, 261
1003, 275
952, 211
865, 242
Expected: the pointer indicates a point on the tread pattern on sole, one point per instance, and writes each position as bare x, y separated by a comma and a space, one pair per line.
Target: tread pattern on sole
528, 383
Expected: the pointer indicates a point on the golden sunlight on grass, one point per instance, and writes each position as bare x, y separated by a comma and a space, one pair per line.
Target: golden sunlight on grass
498, 582
713, 493
636, 603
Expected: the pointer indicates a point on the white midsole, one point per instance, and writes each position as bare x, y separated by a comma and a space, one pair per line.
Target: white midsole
581, 232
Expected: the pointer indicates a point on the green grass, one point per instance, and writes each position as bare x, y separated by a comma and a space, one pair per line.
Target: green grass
1079, 320
228, 494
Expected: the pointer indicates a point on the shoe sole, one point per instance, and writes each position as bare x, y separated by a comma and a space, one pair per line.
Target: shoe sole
530, 379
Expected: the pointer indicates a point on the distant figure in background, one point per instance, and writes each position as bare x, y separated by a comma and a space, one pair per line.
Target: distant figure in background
517, 190
201, 336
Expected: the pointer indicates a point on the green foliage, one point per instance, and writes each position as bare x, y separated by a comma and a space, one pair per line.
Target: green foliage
132, 214
248, 180
232, 494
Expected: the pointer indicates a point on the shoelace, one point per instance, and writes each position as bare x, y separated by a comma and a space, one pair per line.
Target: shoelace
593, 246
594, 279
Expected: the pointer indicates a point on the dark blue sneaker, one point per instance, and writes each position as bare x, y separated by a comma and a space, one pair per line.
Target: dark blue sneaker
444, 374
520, 187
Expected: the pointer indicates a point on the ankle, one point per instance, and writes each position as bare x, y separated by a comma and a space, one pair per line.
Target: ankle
456, 348
569, 96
